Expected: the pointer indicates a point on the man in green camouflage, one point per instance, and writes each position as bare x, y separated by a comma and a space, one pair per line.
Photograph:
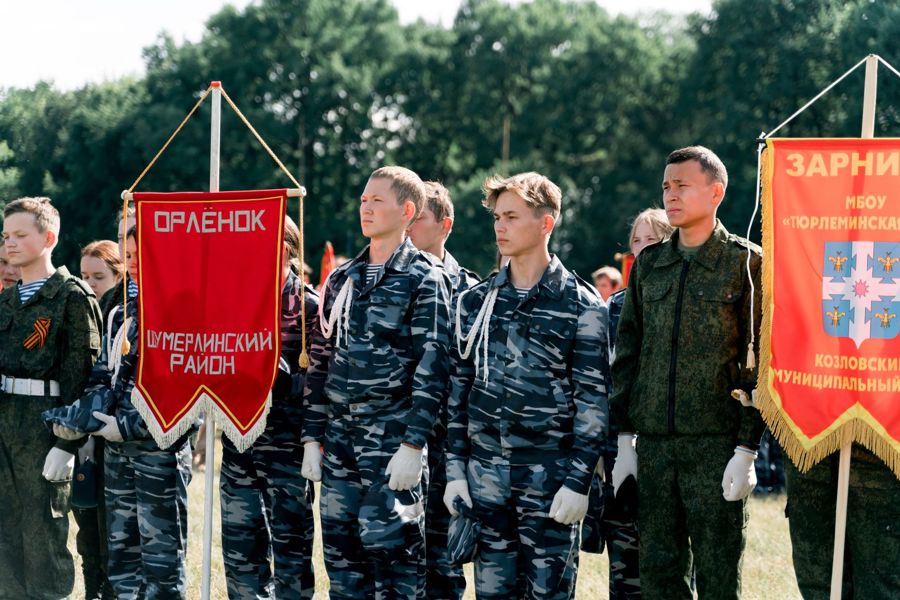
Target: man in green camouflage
49, 338
872, 544
684, 343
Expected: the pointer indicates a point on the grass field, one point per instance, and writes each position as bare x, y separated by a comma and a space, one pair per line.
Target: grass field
768, 574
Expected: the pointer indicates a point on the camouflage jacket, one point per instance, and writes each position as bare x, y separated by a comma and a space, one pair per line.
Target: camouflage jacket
395, 360
461, 278
289, 381
72, 341
547, 377
682, 340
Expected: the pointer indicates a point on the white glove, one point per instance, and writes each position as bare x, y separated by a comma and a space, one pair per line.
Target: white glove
746, 401
626, 460
740, 475
568, 506
86, 452
458, 488
58, 465
64, 433
405, 468
110, 429
599, 469
312, 461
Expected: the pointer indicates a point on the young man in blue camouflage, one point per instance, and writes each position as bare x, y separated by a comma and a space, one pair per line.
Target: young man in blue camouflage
49, 338
374, 388
429, 233
684, 343
527, 413
267, 519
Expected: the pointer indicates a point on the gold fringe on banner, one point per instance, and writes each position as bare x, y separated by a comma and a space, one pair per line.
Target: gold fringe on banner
855, 425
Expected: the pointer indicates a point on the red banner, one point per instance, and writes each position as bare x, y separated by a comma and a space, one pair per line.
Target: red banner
830, 351
209, 310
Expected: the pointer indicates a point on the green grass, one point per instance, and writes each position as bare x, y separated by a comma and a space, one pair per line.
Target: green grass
768, 573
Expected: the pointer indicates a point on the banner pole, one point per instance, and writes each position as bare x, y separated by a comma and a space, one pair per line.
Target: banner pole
214, 137
840, 517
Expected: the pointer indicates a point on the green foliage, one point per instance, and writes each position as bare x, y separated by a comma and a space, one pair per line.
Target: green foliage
339, 87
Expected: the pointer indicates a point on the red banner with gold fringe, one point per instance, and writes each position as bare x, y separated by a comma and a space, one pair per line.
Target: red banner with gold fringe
830, 351
209, 309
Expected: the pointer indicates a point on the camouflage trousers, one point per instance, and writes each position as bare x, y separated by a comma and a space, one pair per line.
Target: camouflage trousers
35, 562
683, 516
442, 580
357, 452
90, 540
146, 517
522, 553
608, 525
267, 519
872, 544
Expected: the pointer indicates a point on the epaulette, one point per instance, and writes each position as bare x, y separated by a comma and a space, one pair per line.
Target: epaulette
584, 283
744, 243
81, 284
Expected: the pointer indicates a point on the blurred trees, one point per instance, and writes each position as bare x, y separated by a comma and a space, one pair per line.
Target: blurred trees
339, 87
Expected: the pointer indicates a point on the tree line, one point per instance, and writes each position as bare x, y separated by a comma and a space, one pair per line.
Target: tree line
339, 87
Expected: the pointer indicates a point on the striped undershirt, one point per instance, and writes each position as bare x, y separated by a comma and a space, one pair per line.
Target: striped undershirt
26, 291
132, 288
372, 272
522, 292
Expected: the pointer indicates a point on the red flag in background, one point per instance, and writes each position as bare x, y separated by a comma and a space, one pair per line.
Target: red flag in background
208, 341
328, 264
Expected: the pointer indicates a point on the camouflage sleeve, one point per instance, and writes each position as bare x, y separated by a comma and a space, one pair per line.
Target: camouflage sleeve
462, 376
80, 344
590, 382
629, 335
131, 424
430, 326
751, 422
315, 403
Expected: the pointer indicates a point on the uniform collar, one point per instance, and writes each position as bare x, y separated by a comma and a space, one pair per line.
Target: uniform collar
551, 282
50, 288
708, 254
398, 261
451, 265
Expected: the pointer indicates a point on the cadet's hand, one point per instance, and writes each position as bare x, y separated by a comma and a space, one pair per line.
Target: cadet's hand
740, 475
86, 452
626, 460
745, 400
312, 461
405, 468
58, 465
64, 433
110, 429
458, 488
568, 506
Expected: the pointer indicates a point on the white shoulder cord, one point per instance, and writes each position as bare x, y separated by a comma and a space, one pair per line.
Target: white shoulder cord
339, 316
480, 331
114, 345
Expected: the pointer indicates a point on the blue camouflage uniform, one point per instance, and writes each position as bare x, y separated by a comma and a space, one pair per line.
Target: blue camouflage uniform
374, 384
536, 423
146, 487
612, 521
267, 518
443, 581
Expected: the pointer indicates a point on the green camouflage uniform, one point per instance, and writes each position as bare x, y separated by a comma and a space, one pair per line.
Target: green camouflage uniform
682, 342
872, 546
34, 559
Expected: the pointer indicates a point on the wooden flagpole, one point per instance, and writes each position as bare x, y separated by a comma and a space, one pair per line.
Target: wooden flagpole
214, 138
840, 518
